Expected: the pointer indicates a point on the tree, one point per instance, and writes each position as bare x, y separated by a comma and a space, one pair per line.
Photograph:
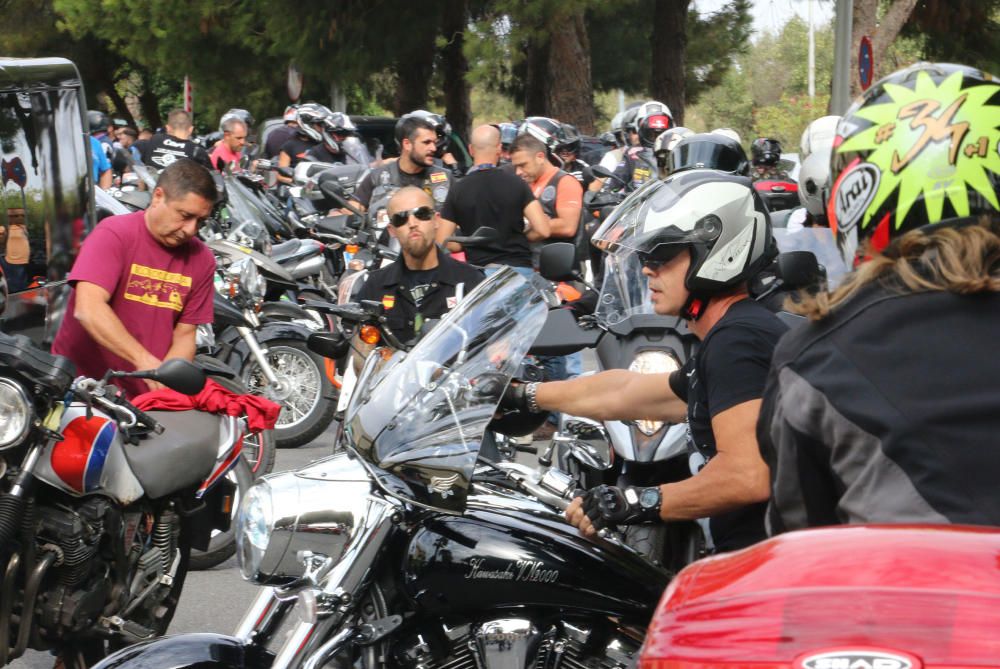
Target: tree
958, 31
669, 44
455, 66
881, 30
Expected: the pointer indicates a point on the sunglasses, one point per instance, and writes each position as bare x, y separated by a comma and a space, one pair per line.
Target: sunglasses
400, 218
660, 256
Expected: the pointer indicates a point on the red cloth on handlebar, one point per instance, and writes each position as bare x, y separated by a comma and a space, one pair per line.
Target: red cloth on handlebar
261, 413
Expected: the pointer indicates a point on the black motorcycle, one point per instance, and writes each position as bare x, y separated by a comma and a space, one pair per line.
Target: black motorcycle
407, 550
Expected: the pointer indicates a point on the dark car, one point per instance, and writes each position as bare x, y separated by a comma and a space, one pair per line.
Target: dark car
378, 133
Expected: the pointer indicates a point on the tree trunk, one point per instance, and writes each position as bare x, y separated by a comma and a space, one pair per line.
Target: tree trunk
458, 107
149, 102
866, 24
570, 94
120, 106
536, 77
413, 72
669, 42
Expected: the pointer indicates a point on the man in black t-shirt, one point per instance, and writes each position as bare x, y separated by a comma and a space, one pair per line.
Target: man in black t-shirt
688, 247
163, 149
493, 198
425, 283
415, 167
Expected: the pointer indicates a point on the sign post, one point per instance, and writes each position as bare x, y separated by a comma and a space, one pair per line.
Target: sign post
188, 96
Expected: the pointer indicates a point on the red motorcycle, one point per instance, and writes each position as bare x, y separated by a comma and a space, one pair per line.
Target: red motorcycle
851, 597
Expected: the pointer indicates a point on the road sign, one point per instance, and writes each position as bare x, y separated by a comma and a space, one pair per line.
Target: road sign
866, 63
188, 96
294, 84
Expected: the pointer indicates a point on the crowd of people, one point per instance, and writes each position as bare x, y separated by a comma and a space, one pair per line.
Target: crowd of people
880, 409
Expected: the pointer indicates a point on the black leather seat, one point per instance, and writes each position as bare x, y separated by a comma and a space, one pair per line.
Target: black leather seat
181, 457
283, 250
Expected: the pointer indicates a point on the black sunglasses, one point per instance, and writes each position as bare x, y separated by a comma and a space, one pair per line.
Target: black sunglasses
400, 218
660, 256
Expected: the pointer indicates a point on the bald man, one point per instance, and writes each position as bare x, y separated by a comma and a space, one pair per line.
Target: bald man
494, 198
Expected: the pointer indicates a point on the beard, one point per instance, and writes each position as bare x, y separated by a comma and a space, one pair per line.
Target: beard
418, 247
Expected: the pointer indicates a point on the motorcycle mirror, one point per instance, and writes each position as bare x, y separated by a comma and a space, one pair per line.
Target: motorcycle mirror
557, 262
800, 269
180, 375
328, 344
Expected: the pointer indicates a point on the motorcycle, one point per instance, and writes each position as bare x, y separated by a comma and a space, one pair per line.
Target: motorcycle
266, 343
102, 503
406, 550
899, 597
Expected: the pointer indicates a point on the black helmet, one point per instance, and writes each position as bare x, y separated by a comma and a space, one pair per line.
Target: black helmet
241, 114
308, 115
97, 121
719, 217
436, 122
545, 130
569, 140
709, 150
765, 151
888, 179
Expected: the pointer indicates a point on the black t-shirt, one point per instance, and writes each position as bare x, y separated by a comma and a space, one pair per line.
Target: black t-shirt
276, 139
296, 148
162, 150
730, 368
322, 154
418, 282
435, 181
493, 198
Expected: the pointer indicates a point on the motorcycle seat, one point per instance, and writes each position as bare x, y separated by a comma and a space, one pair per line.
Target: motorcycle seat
182, 456
284, 250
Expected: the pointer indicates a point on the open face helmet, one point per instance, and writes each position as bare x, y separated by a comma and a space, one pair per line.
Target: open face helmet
666, 142
569, 140
918, 148
719, 218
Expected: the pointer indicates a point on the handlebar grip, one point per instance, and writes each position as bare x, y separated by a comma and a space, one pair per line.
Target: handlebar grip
145, 419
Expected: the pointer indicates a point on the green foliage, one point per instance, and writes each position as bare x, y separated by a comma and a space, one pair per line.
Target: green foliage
786, 120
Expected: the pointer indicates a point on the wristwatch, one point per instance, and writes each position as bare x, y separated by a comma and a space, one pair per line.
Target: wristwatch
650, 500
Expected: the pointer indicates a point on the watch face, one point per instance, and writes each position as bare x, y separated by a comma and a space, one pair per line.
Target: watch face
649, 498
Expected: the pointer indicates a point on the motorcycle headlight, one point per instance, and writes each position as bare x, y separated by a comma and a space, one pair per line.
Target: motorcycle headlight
652, 362
322, 509
15, 413
244, 272
254, 523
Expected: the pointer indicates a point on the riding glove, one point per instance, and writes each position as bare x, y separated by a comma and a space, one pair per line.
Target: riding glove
608, 505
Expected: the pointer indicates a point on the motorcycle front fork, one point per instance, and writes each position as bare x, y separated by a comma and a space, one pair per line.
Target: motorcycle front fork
259, 355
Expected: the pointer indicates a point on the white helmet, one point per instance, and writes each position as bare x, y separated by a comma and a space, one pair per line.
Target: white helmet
814, 180
730, 133
818, 135
666, 141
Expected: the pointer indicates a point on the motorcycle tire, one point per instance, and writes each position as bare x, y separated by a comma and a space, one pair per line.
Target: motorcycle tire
308, 410
672, 546
259, 449
222, 545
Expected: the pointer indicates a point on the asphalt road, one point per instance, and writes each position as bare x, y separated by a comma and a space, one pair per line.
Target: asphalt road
213, 600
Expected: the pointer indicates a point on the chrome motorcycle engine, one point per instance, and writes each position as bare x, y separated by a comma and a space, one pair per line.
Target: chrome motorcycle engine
520, 643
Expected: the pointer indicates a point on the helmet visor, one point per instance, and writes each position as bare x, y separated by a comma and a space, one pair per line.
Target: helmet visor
699, 155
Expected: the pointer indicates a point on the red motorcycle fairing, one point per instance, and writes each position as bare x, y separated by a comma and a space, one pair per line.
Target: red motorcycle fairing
925, 597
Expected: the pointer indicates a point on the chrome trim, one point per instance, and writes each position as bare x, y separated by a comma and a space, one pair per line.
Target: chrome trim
507, 643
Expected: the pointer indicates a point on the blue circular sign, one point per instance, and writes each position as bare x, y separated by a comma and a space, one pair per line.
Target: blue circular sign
866, 63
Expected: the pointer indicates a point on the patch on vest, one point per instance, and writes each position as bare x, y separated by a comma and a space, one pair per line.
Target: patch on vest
438, 177
440, 194
388, 301
549, 193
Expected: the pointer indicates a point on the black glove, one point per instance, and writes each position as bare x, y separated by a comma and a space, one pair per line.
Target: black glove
514, 398
608, 505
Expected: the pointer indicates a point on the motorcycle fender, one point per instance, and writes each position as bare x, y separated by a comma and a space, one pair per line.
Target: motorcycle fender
674, 443
284, 311
239, 351
189, 651
621, 440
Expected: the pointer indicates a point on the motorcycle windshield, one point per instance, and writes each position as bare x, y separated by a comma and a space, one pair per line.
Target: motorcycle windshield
418, 420
823, 245
244, 206
624, 288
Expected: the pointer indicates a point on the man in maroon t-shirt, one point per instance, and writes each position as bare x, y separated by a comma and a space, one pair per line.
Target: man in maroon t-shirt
142, 282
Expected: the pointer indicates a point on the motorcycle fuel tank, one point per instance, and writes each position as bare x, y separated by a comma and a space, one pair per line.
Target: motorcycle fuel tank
491, 559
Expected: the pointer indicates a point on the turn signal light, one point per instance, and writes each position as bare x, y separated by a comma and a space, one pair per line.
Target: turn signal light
370, 335
351, 248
